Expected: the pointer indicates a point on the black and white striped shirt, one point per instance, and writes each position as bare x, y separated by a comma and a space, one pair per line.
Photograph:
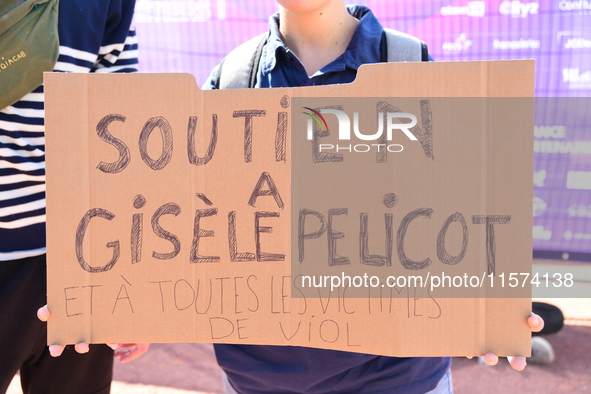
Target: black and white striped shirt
95, 36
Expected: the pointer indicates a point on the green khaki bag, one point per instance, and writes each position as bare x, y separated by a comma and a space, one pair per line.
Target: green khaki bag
29, 45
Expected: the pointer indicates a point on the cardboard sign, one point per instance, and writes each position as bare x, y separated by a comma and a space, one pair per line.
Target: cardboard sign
181, 215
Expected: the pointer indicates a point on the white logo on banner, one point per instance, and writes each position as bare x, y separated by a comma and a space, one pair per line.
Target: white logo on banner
517, 44
473, 8
539, 232
553, 131
539, 206
178, 11
569, 235
460, 44
576, 79
546, 137
539, 178
517, 9
574, 5
579, 211
578, 180
577, 43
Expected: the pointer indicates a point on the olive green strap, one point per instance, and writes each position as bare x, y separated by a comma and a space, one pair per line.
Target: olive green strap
8, 19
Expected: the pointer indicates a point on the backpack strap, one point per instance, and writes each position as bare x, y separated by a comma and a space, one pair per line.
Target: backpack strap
424, 52
236, 73
396, 46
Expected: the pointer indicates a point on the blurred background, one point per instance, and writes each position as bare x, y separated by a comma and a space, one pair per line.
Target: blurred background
192, 36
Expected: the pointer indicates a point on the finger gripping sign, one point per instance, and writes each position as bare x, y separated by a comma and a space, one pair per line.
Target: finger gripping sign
368, 217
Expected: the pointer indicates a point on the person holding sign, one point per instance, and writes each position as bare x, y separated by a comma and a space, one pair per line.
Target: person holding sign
310, 43
94, 36
320, 42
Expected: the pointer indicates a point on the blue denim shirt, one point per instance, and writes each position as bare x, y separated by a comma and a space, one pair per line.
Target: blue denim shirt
290, 369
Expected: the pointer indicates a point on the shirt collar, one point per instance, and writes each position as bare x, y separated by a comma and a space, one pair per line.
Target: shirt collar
363, 48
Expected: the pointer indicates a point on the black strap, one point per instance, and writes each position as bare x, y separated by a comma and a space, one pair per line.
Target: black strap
384, 48
255, 62
219, 75
424, 52
256, 59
